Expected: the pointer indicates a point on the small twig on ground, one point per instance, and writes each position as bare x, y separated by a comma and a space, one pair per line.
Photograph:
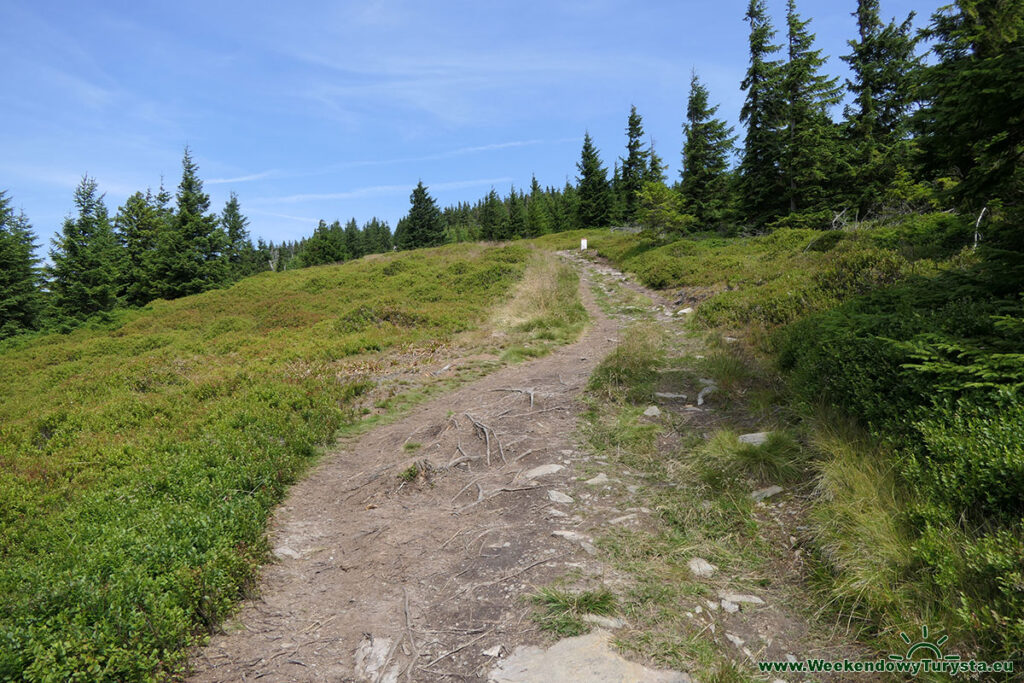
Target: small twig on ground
458, 649
538, 412
522, 455
487, 437
463, 489
507, 576
528, 392
464, 458
412, 641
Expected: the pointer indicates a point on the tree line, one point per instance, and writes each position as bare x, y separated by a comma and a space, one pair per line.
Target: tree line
913, 135
157, 245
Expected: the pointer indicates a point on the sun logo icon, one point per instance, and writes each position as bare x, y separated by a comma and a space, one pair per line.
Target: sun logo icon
932, 649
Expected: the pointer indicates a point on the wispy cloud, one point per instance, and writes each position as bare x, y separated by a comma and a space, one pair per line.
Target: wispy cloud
241, 179
382, 190
285, 216
454, 152
438, 156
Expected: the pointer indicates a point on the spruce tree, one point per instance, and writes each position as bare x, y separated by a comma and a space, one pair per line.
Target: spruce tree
138, 224
564, 205
594, 193
761, 186
20, 299
655, 172
83, 274
376, 237
401, 236
708, 141
325, 245
516, 215
493, 217
883, 66
538, 213
424, 225
353, 240
239, 252
971, 124
810, 159
191, 251
635, 166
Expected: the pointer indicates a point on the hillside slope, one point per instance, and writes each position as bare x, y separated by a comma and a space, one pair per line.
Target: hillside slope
140, 460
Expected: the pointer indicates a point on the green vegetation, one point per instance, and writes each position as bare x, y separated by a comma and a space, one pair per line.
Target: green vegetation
699, 491
562, 611
140, 458
544, 312
905, 329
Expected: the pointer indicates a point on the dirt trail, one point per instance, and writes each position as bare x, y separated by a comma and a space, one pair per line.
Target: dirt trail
383, 579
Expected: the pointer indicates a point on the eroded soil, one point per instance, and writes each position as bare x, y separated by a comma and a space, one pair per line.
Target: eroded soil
408, 553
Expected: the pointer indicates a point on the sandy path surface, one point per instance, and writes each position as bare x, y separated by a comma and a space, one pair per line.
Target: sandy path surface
382, 579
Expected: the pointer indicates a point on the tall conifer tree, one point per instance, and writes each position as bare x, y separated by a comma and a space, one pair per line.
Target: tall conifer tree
538, 212
493, 217
708, 141
811, 154
594, 192
20, 300
635, 165
353, 241
760, 174
883, 66
138, 226
424, 226
191, 252
655, 172
516, 215
972, 121
84, 272
239, 253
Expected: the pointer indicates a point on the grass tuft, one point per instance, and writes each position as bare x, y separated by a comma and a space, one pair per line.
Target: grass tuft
630, 372
562, 611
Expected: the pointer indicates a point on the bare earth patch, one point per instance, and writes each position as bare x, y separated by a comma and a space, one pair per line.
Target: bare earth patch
409, 552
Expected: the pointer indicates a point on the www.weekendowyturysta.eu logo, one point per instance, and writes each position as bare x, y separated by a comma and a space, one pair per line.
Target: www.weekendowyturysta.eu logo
922, 656
932, 649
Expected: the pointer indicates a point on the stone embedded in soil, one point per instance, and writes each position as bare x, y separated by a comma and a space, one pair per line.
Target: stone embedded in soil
701, 568
372, 656
735, 640
623, 519
285, 551
599, 480
573, 536
559, 497
730, 607
684, 311
761, 494
669, 395
583, 658
652, 411
603, 621
542, 471
741, 598
755, 438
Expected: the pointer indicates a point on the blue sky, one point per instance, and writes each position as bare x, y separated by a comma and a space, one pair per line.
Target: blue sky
329, 110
